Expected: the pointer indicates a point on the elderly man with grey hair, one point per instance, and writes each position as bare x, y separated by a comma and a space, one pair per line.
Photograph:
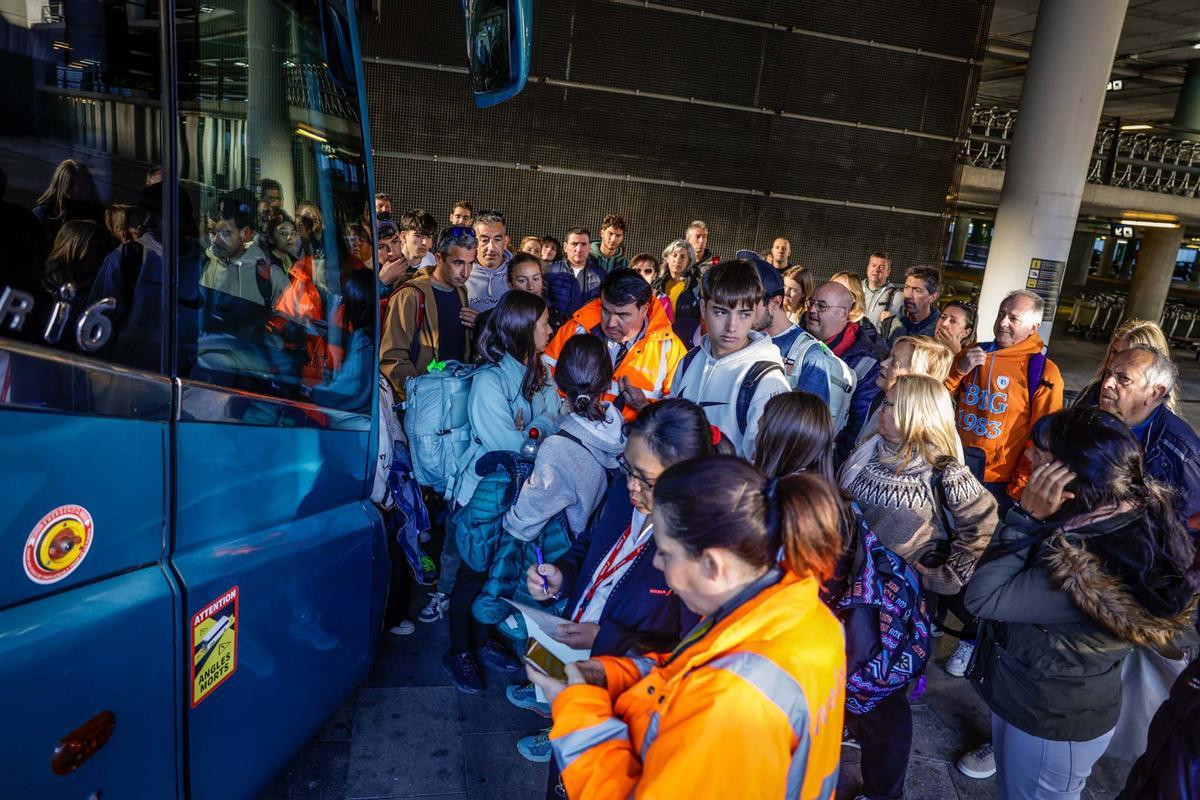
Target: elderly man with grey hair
697, 237
1001, 389
1135, 389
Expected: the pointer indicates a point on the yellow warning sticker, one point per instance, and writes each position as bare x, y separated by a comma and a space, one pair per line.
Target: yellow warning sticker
214, 645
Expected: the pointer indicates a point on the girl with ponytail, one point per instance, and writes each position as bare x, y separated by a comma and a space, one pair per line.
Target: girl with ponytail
571, 472
750, 702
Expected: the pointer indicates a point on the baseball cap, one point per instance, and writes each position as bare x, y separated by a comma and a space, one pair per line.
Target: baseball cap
772, 281
386, 230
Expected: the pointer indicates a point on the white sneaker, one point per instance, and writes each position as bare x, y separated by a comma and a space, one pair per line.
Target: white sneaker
405, 628
979, 763
436, 608
956, 664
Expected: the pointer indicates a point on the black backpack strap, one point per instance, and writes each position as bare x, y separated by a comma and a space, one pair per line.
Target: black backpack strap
754, 376
687, 360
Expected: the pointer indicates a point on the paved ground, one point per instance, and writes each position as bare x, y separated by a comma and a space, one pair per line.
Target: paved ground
408, 734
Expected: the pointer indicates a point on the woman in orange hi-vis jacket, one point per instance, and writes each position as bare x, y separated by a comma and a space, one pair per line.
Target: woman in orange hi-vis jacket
749, 704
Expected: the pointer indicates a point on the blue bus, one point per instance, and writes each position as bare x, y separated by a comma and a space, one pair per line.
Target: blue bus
193, 574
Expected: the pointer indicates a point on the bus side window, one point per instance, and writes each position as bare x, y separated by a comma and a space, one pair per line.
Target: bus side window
80, 183
275, 169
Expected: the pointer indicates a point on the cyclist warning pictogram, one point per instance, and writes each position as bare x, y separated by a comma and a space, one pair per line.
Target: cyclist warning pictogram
214, 645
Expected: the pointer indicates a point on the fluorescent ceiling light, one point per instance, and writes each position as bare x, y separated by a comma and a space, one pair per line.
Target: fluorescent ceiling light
1137, 127
310, 135
1141, 223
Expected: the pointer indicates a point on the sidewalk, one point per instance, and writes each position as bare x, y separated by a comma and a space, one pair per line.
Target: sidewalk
407, 733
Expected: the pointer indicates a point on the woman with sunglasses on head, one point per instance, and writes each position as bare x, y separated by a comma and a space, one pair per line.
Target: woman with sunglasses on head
749, 703
956, 326
616, 600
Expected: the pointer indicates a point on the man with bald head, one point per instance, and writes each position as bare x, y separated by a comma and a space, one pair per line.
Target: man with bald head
1135, 389
828, 319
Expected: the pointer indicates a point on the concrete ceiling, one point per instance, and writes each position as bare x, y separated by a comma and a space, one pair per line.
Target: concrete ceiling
1156, 44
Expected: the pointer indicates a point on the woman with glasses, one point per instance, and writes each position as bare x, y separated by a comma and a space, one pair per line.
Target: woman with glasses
617, 601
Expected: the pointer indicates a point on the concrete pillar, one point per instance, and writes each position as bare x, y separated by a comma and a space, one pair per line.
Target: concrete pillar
958, 242
1079, 259
1187, 107
1105, 269
1069, 64
1152, 278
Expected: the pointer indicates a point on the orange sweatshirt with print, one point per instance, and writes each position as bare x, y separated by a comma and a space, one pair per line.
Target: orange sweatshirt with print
993, 410
750, 709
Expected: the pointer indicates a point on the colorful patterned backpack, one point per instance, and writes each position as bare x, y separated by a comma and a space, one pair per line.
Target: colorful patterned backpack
887, 626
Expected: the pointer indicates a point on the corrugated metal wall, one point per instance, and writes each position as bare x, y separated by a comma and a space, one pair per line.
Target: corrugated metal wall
831, 123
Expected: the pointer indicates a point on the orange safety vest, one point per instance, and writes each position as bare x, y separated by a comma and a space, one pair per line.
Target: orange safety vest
650, 363
751, 708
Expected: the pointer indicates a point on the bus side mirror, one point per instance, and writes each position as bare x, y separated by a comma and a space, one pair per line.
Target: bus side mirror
499, 40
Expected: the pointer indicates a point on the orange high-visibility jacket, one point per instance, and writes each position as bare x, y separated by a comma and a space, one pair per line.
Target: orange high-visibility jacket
994, 413
752, 709
650, 363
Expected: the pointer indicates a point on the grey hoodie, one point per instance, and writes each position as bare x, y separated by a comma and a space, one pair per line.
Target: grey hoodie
566, 478
486, 286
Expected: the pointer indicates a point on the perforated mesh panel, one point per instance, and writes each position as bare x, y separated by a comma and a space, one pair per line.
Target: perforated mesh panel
629, 153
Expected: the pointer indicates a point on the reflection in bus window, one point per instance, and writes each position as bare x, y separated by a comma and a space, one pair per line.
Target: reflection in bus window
271, 155
80, 179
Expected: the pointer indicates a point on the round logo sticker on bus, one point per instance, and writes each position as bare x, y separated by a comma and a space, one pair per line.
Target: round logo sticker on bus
58, 544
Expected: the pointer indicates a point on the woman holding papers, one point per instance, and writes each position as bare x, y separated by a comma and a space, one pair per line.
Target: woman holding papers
749, 704
618, 602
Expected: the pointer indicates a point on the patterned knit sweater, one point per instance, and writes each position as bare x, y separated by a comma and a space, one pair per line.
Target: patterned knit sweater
900, 502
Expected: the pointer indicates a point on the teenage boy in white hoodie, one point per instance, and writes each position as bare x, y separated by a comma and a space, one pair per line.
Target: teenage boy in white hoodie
735, 370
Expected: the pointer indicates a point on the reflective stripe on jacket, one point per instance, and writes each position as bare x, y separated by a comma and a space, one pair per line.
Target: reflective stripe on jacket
650, 363
751, 709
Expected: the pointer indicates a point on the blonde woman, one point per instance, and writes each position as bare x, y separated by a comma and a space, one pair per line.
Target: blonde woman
926, 507
920, 499
1129, 333
798, 286
921, 355
858, 311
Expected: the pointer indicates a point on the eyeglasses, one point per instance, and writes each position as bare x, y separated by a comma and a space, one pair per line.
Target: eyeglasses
821, 306
628, 470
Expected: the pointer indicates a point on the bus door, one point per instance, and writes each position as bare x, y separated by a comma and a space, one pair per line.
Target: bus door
88, 611
275, 542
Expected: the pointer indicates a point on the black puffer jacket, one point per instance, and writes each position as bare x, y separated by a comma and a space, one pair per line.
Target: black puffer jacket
1059, 615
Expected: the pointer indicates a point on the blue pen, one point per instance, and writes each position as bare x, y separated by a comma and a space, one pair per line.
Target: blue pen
540, 562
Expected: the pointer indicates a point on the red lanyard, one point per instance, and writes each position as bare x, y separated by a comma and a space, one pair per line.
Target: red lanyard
609, 569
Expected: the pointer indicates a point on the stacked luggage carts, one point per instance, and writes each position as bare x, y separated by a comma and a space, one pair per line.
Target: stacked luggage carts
1095, 316
1181, 324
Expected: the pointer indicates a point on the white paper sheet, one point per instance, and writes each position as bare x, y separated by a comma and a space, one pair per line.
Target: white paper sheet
538, 623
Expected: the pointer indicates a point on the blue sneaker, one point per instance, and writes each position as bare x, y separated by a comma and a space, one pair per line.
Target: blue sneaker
494, 657
536, 748
462, 670
525, 696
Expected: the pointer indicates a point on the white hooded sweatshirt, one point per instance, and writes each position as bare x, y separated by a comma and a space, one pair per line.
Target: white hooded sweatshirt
714, 383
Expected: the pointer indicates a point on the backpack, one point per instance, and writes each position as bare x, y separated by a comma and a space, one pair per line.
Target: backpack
840, 386
436, 424
758, 370
887, 592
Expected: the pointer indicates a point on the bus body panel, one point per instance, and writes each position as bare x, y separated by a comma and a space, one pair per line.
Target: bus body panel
110, 468
66, 658
276, 514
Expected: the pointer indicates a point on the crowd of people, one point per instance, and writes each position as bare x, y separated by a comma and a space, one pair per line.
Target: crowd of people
750, 500
753, 501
